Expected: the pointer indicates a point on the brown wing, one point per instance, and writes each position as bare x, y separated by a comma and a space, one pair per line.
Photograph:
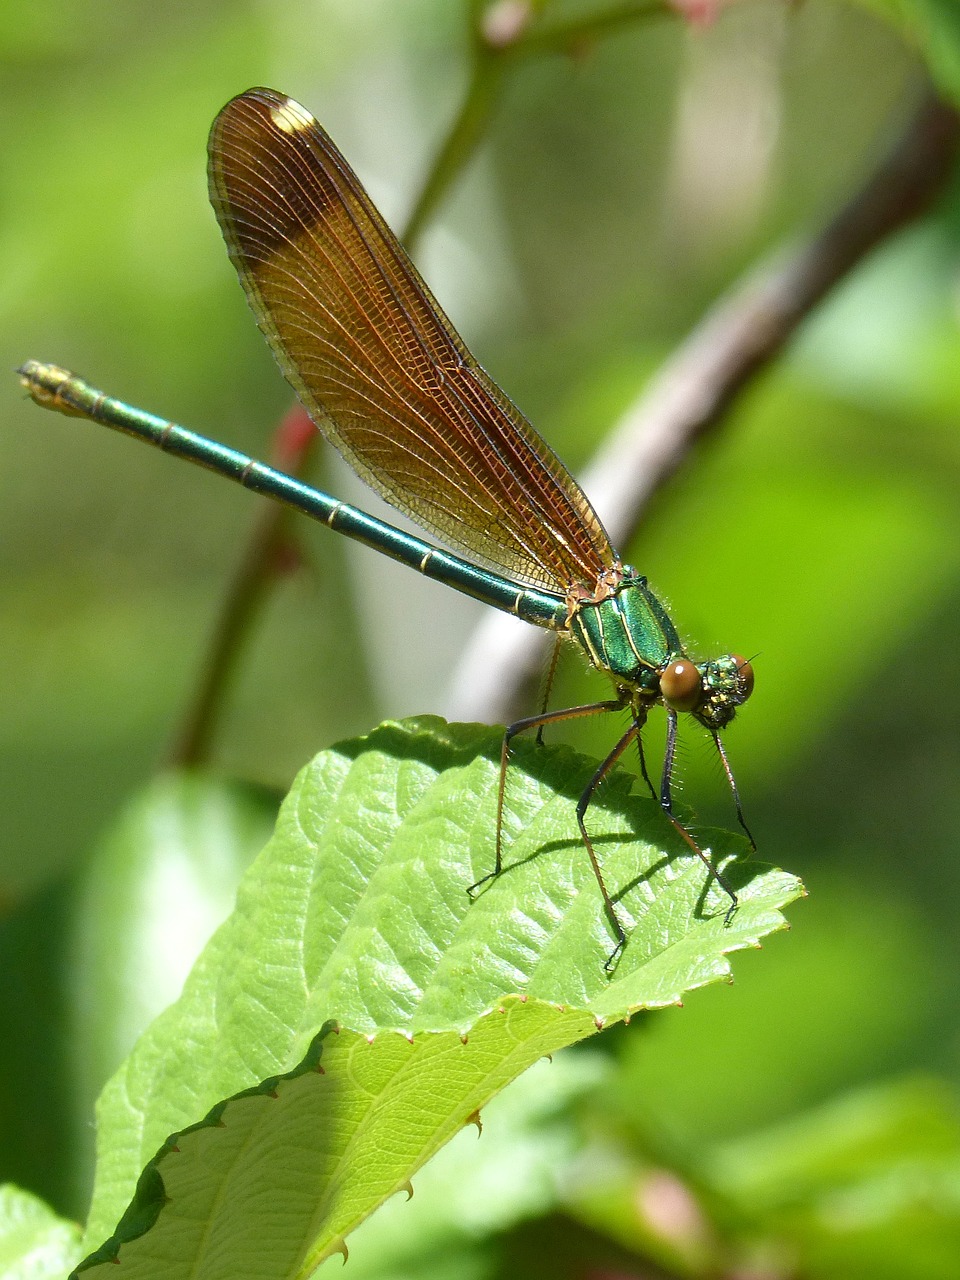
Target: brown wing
376, 362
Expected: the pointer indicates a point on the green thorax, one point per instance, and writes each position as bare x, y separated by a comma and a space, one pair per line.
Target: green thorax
628, 634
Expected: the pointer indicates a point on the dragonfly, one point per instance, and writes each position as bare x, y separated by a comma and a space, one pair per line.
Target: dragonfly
389, 382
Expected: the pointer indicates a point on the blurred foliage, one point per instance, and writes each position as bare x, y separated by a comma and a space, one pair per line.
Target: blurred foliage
804, 1123
934, 26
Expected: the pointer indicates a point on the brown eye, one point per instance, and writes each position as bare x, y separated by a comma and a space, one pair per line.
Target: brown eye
681, 685
744, 676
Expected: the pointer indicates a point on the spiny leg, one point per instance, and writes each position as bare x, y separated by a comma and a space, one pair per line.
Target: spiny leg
521, 726
666, 803
733, 788
669, 760
640, 719
582, 805
548, 684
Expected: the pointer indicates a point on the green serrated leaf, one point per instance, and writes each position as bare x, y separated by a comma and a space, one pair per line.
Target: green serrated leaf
357, 910
270, 1182
34, 1241
478, 1185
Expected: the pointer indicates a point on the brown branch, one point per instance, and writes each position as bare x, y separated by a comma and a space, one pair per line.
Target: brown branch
690, 396
269, 553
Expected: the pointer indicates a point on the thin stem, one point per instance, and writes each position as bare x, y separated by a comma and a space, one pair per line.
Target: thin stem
269, 553
562, 37
459, 145
494, 49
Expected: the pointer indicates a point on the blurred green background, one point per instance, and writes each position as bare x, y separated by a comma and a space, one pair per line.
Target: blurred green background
619, 188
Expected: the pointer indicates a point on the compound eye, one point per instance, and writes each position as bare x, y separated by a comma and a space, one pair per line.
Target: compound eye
681, 685
744, 676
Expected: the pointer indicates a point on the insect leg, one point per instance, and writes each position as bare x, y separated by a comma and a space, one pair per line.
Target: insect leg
582, 805
548, 684
640, 719
666, 803
733, 787
521, 726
